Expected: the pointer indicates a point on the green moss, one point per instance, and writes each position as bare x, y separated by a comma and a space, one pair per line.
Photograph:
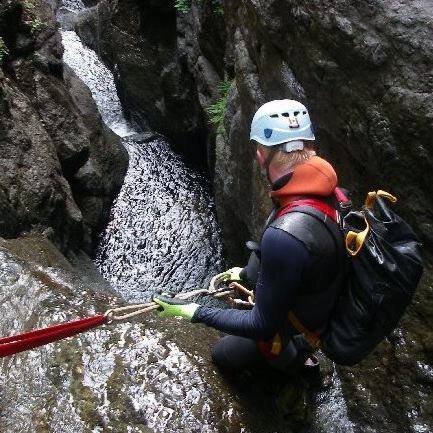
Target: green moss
29, 16
3, 51
28, 5
68, 360
183, 5
217, 111
36, 25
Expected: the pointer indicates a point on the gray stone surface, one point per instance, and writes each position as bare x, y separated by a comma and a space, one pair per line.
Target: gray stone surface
149, 375
364, 71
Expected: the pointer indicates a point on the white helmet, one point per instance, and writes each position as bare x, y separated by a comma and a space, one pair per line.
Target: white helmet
282, 121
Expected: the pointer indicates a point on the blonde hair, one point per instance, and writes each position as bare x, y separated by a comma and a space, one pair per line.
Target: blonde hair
291, 159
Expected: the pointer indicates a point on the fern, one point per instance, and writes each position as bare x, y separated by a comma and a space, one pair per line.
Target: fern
217, 111
36, 25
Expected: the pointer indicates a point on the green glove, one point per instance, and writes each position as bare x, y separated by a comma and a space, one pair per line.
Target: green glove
175, 307
232, 274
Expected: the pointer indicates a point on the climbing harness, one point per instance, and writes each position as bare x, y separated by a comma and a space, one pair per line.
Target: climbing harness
39, 337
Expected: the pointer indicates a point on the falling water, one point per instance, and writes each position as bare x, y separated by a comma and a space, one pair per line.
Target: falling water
163, 233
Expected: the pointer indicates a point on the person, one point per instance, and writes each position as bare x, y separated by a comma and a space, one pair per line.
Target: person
296, 271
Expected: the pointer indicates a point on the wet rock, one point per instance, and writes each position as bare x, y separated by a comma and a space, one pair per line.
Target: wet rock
51, 129
372, 109
365, 73
148, 375
350, 66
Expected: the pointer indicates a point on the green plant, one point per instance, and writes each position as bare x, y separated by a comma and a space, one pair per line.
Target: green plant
217, 111
184, 6
28, 5
29, 16
36, 24
3, 50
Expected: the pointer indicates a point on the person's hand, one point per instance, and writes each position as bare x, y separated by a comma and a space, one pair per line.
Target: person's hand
175, 307
232, 274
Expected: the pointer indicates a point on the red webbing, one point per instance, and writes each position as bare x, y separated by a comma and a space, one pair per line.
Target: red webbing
341, 196
316, 204
39, 337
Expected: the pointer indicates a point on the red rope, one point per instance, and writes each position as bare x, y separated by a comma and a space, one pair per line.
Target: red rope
39, 337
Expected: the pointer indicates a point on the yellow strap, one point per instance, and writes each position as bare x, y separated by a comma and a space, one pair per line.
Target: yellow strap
373, 195
276, 345
312, 339
355, 241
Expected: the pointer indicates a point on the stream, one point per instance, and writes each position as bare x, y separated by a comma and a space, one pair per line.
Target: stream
149, 375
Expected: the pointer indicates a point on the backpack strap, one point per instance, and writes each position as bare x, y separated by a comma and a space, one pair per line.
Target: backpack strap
312, 338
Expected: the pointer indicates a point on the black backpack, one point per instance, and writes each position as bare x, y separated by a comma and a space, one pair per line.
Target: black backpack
378, 275
383, 271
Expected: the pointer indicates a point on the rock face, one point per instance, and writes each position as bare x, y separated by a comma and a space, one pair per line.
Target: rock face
60, 167
365, 73
139, 42
148, 375
364, 70
371, 106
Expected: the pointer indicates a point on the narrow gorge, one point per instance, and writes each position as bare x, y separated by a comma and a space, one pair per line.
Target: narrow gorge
126, 169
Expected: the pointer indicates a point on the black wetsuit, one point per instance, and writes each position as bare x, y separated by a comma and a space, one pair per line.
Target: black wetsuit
299, 266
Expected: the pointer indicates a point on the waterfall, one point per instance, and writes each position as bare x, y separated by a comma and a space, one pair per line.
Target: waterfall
163, 233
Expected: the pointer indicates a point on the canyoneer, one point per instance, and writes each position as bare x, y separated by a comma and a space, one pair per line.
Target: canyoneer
295, 271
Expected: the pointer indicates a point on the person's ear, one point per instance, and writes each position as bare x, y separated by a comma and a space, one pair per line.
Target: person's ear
261, 157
